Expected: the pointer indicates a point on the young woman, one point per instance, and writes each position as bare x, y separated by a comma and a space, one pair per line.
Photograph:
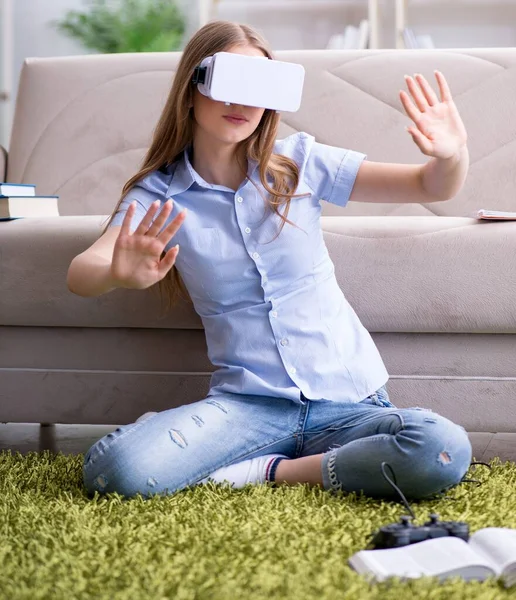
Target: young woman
299, 391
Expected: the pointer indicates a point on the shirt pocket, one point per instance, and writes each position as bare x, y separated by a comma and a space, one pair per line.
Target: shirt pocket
204, 239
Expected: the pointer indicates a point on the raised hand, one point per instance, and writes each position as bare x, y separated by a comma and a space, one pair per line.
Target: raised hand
136, 262
439, 130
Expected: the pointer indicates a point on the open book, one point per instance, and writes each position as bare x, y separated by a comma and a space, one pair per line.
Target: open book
499, 215
490, 552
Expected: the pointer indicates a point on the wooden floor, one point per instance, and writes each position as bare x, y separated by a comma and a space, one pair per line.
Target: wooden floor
77, 439
68, 439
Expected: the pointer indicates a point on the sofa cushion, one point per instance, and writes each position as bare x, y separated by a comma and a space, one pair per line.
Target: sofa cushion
400, 274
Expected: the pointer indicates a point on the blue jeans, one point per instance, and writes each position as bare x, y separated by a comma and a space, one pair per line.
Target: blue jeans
178, 447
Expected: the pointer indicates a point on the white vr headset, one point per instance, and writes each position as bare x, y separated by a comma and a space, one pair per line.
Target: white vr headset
250, 81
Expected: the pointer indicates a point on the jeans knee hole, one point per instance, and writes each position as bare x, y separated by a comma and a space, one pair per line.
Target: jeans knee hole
445, 458
101, 482
177, 437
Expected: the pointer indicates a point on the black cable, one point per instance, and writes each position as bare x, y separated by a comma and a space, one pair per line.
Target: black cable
393, 483
471, 481
479, 462
404, 500
464, 480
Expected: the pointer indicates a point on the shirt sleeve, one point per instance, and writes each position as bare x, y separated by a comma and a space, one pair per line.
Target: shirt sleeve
328, 170
148, 190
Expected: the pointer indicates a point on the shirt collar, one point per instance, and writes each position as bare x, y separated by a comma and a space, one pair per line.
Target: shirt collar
184, 175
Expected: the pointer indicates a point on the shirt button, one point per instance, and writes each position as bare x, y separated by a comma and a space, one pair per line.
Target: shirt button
293, 370
284, 342
256, 255
240, 199
274, 313
247, 230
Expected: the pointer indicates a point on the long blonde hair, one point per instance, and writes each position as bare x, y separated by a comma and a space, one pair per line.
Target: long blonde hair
174, 132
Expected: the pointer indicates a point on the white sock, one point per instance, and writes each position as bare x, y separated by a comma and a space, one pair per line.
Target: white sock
145, 416
254, 470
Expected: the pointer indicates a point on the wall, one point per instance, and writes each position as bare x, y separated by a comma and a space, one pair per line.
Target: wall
287, 24
34, 36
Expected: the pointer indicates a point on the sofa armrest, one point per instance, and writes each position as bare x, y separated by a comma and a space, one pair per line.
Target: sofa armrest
35, 255
3, 164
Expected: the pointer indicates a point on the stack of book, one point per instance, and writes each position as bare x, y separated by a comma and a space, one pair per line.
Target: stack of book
19, 200
352, 38
411, 40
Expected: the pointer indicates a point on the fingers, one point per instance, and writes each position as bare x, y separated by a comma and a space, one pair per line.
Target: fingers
167, 262
167, 234
423, 93
443, 87
159, 221
417, 94
147, 226
151, 227
146, 221
409, 107
126, 223
428, 92
420, 140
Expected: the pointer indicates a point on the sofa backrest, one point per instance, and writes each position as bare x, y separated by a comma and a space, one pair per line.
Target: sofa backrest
82, 123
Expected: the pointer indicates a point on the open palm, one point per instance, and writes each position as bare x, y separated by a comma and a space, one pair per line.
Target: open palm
439, 130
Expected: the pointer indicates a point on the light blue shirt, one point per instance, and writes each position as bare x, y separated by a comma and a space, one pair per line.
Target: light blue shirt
275, 319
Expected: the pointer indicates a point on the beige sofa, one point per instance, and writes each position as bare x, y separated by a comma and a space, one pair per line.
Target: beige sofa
435, 287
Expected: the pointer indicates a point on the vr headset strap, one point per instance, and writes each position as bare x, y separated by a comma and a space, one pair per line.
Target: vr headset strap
199, 75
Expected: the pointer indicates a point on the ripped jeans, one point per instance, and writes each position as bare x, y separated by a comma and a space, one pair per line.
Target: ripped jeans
181, 446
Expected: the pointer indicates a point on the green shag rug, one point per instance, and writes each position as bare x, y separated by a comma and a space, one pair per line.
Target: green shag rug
212, 541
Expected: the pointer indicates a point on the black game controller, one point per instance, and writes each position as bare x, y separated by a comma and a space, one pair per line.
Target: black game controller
404, 533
